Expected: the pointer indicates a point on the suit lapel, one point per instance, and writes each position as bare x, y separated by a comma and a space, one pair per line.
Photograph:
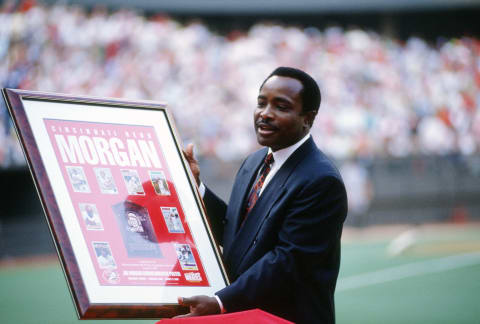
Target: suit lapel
272, 193
241, 189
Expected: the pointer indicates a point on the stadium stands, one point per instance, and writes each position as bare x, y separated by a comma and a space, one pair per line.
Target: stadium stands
382, 97
401, 117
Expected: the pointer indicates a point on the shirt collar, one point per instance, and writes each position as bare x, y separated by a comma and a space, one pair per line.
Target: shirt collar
282, 155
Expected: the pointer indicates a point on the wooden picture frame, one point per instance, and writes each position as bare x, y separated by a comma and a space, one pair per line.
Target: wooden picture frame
121, 203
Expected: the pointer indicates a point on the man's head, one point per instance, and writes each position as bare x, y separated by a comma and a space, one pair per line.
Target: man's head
288, 102
310, 94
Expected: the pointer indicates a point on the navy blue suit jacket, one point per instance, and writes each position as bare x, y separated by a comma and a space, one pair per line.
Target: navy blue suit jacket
285, 258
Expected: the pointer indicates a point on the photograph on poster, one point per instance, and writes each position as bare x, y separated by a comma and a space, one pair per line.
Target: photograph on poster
105, 181
132, 181
172, 220
159, 182
104, 255
185, 256
91, 217
78, 179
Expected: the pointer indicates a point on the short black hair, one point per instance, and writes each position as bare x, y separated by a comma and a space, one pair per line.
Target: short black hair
310, 94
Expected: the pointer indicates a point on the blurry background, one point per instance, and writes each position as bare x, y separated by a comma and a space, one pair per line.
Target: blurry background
400, 116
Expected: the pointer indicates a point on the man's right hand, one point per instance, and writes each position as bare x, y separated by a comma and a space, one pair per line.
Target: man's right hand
188, 153
199, 306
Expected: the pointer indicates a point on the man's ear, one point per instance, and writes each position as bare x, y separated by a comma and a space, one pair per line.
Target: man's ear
310, 117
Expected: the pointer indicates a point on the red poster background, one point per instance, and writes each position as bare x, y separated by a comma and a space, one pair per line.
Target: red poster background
127, 270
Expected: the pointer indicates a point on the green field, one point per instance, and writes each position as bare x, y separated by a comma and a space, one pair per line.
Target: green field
435, 280
434, 277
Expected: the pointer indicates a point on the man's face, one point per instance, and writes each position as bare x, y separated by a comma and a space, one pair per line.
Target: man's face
279, 118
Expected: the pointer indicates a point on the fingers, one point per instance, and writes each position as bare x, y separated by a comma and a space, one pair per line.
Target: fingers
188, 153
199, 305
184, 301
190, 149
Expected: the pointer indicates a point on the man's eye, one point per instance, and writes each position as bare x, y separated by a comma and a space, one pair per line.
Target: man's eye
260, 104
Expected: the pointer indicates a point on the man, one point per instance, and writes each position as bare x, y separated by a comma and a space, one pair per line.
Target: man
281, 248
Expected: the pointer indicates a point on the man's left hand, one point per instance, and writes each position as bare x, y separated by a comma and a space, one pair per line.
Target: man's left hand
199, 305
188, 153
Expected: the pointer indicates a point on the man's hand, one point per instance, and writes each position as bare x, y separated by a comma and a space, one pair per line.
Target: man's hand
188, 153
199, 305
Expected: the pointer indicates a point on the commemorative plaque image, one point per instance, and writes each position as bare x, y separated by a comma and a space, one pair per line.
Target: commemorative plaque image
137, 231
122, 206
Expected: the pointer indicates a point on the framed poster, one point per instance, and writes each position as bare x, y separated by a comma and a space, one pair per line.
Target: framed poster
121, 203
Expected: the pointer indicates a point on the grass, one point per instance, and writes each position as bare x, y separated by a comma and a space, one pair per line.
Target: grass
442, 296
448, 297
37, 292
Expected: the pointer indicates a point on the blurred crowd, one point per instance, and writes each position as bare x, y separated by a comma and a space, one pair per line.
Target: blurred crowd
380, 96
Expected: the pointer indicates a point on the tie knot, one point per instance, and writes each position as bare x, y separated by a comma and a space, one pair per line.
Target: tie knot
269, 159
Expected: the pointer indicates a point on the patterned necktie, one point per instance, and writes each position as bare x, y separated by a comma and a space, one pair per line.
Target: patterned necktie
257, 187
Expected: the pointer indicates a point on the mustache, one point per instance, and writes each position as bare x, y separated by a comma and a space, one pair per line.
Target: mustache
264, 123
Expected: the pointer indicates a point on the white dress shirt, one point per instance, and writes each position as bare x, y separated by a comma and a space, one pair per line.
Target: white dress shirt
279, 158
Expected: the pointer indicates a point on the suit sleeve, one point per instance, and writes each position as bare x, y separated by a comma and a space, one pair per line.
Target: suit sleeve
216, 211
306, 255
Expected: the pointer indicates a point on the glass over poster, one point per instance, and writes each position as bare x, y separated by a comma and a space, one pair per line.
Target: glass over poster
120, 201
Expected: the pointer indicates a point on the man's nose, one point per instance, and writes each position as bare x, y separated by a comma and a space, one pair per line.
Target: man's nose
267, 113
